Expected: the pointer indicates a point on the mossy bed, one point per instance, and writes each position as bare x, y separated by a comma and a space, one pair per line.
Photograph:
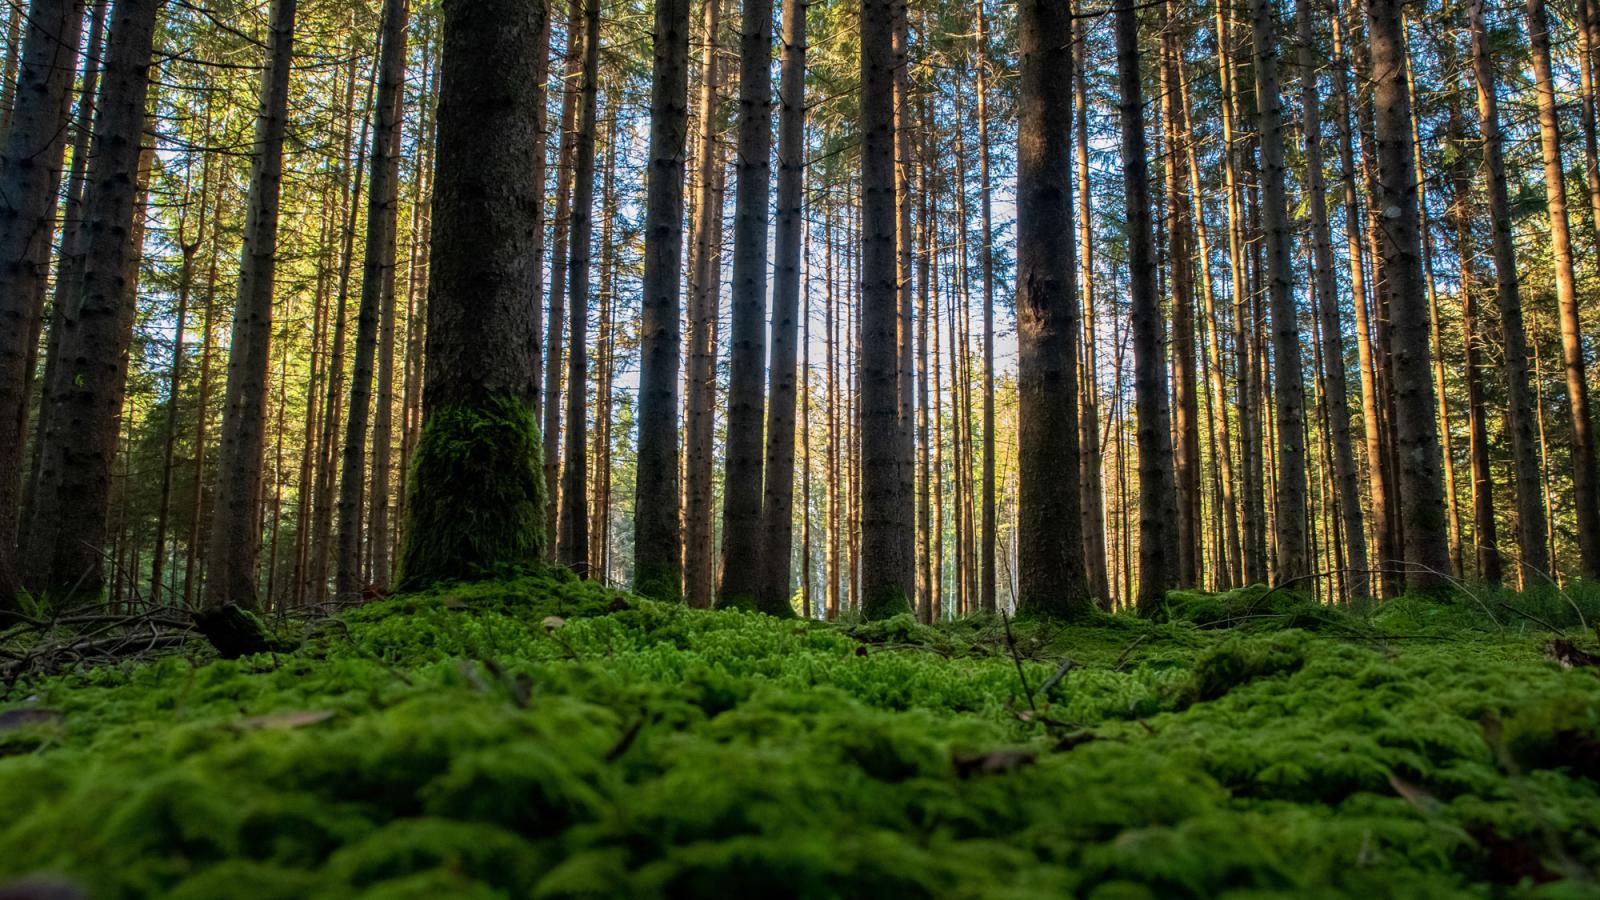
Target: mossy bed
539, 737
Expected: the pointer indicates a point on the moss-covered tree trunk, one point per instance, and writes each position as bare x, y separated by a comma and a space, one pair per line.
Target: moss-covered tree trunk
477, 490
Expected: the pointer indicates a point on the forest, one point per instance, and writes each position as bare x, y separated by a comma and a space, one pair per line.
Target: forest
812, 448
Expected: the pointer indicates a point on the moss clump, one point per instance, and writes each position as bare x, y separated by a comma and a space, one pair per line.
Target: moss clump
540, 736
477, 496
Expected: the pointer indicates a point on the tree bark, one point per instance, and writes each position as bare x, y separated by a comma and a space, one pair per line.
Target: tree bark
1157, 494
1050, 555
71, 512
1325, 291
1416, 431
1585, 490
572, 548
1289, 518
1521, 426
658, 538
377, 289
986, 487
477, 493
777, 509
236, 517
1185, 389
30, 172
887, 577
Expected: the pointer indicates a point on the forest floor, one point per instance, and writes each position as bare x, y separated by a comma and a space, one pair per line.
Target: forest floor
542, 737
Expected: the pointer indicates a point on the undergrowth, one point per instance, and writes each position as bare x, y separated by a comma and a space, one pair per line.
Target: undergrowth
540, 737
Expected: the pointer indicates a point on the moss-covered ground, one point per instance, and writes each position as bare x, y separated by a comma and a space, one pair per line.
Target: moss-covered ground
538, 737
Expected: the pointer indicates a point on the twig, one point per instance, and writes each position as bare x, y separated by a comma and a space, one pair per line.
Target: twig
1017, 658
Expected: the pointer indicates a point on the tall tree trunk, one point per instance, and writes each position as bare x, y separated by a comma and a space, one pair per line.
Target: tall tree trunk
1324, 289
1090, 457
560, 258
741, 483
777, 509
1534, 561
1585, 490
68, 531
705, 268
986, 487
1252, 562
572, 548
1289, 518
1186, 428
30, 172
1416, 430
1050, 558
605, 378
658, 539
188, 249
1157, 494
477, 493
236, 517
1230, 547
906, 438
377, 289
887, 576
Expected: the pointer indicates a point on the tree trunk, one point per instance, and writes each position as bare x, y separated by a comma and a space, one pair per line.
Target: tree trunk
1185, 389
777, 512
71, 511
1324, 289
377, 289
477, 493
560, 257
572, 548
1585, 491
1050, 554
658, 539
699, 552
1416, 432
1534, 561
1156, 490
30, 172
887, 577
235, 520
1090, 457
741, 483
986, 487
1289, 518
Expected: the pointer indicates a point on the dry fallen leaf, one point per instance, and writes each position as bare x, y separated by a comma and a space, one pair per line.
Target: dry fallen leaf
12, 719
281, 720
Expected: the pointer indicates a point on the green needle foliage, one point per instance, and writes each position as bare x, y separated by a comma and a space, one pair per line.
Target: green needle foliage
537, 736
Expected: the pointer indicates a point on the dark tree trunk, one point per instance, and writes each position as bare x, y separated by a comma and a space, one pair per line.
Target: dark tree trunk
741, 483
377, 289
1324, 290
1050, 554
30, 172
887, 577
572, 545
477, 492
68, 530
658, 537
236, 518
777, 512
1521, 425
1157, 493
1416, 429
1289, 518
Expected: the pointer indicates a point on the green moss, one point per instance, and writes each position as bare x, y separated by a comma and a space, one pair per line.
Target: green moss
540, 736
477, 494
